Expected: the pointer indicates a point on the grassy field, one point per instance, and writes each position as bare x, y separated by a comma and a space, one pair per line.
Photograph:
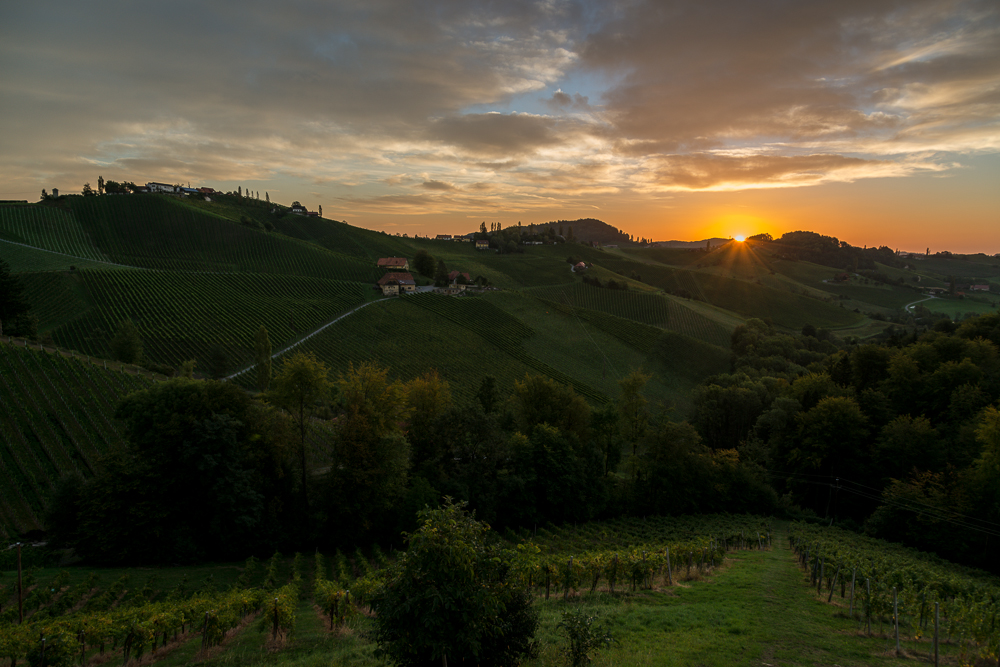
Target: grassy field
959, 308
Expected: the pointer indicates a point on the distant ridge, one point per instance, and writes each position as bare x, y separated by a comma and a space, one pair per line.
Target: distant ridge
715, 242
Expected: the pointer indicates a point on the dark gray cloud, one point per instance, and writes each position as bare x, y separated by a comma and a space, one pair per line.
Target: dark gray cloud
693, 76
379, 99
498, 135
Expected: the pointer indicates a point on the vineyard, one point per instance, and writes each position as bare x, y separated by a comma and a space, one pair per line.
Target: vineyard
410, 336
652, 309
48, 228
749, 299
502, 330
683, 587
24, 258
175, 237
83, 622
892, 589
57, 297
631, 553
181, 316
56, 418
75, 619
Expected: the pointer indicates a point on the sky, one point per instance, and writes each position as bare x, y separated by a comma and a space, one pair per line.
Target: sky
875, 122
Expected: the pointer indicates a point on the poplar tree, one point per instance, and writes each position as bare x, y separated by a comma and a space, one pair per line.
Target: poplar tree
262, 349
303, 381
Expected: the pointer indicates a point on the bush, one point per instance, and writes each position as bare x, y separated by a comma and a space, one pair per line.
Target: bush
584, 637
127, 345
451, 595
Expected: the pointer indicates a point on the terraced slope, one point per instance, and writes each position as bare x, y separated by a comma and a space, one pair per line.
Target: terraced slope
181, 316
56, 418
159, 232
337, 236
745, 298
652, 309
49, 228
410, 340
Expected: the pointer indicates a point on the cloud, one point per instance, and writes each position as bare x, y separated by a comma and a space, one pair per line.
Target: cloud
692, 77
457, 105
561, 101
724, 172
438, 185
496, 135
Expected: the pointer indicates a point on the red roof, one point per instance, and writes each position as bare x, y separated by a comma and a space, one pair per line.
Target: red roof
401, 278
391, 262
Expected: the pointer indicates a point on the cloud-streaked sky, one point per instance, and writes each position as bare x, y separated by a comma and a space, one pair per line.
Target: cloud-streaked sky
877, 122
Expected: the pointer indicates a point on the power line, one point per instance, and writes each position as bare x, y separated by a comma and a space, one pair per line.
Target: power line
870, 493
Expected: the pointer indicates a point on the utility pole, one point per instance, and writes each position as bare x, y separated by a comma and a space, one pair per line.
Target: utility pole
20, 588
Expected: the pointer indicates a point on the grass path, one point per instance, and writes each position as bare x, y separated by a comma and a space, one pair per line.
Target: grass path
759, 610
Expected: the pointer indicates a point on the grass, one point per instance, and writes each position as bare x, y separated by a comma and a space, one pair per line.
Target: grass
759, 610
959, 308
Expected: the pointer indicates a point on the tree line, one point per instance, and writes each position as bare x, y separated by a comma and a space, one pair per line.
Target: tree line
210, 471
899, 438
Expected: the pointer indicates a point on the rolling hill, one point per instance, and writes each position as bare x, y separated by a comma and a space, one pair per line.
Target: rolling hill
198, 276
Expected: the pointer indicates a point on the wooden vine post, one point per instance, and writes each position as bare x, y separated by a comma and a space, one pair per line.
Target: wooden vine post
868, 606
670, 577
854, 574
569, 574
937, 621
895, 616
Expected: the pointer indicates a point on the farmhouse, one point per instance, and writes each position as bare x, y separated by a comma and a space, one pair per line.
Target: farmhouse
163, 187
454, 275
394, 263
394, 283
579, 267
298, 208
482, 244
979, 288
443, 237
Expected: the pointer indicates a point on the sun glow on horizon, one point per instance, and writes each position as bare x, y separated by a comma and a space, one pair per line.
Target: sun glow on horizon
740, 237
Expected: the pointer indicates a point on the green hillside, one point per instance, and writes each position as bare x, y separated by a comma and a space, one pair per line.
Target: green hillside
197, 275
56, 418
182, 315
748, 299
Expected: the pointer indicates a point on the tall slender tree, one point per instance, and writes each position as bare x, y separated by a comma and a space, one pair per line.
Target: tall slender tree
303, 381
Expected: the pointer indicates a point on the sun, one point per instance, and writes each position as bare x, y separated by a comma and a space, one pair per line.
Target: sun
740, 238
